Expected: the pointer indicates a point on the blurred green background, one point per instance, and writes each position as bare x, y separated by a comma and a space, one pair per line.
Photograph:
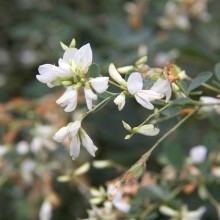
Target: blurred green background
119, 31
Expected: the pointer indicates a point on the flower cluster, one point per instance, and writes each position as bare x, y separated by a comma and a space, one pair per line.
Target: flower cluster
74, 73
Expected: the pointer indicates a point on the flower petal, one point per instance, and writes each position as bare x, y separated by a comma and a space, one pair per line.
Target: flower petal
71, 106
70, 95
135, 83
83, 57
61, 134
99, 84
148, 130
120, 101
74, 128
75, 147
162, 86
143, 100
168, 211
122, 206
115, 75
47, 73
87, 142
198, 153
89, 95
69, 54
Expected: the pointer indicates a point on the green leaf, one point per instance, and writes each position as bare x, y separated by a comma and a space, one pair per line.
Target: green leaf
196, 93
148, 82
181, 101
199, 80
127, 75
175, 154
171, 111
103, 95
151, 192
184, 84
94, 70
217, 71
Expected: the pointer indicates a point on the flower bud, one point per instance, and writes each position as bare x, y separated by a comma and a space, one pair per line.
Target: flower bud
82, 169
61, 134
101, 163
64, 47
116, 76
125, 69
67, 83
126, 126
73, 43
148, 130
141, 60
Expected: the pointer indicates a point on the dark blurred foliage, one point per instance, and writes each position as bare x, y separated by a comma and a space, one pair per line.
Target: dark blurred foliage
30, 32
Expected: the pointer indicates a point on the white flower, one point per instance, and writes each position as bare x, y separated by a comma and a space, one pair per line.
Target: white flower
45, 211
198, 153
117, 201
148, 130
3, 150
115, 75
48, 74
120, 101
143, 97
74, 62
68, 99
162, 86
28, 167
99, 84
90, 96
78, 136
183, 214
22, 147
76, 59
210, 100
42, 139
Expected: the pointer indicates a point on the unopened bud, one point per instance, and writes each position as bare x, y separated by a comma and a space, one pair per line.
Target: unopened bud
64, 47
73, 43
125, 69
77, 86
82, 169
101, 163
126, 126
128, 136
67, 83
182, 75
141, 60
65, 178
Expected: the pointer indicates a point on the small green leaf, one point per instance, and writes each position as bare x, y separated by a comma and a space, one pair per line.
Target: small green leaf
217, 71
94, 70
103, 95
184, 84
175, 154
171, 111
196, 93
148, 82
199, 80
127, 75
181, 101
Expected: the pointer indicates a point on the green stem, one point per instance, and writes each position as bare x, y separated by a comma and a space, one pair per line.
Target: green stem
207, 86
148, 153
150, 116
115, 84
203, 104
97, 106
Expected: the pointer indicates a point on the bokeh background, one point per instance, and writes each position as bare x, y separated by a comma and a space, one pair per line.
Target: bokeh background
185, 32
